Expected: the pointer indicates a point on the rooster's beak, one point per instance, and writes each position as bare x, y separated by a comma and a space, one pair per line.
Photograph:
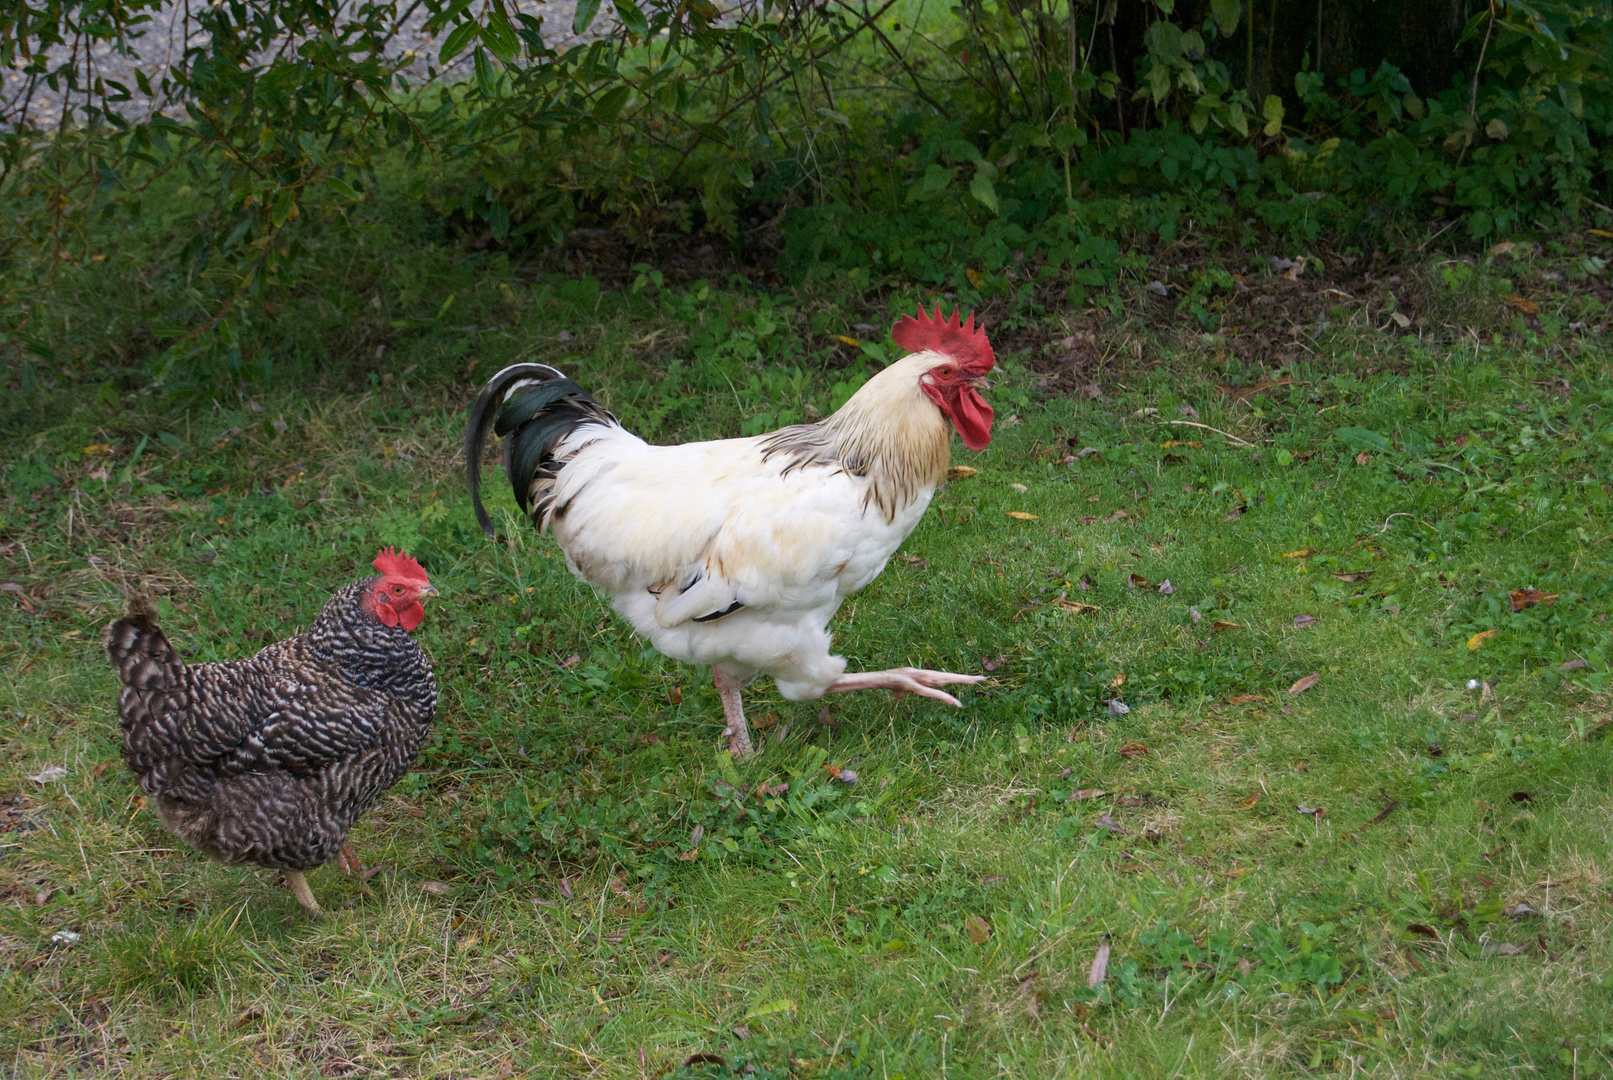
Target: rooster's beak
981, 383
429, 590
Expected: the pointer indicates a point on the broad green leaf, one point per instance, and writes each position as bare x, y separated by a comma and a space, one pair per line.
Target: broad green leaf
500, 37
610, 103
1226, 15
484, 72
984, 191
770, 1008
462, 36
632, 18
1272, 110
584, 16
1360, 438
936, 179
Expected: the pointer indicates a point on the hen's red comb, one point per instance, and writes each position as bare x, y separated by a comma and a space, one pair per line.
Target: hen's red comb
393, 563
964, 343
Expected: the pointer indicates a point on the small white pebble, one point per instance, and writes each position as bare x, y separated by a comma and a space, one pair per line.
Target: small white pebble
63, 937
1472, 684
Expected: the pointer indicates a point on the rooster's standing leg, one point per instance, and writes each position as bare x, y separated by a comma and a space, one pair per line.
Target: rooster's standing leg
304, 895
905, 680
737, 731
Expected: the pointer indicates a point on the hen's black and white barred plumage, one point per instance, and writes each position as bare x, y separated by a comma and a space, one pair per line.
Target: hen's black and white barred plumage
272, 759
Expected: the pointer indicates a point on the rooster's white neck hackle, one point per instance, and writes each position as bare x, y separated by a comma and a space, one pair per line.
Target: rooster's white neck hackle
888, 432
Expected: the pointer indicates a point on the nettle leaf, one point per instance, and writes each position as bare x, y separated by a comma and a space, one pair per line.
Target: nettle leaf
984, 191
1272, 110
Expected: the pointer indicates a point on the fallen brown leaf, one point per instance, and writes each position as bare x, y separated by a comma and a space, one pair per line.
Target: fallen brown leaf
1302, 621
674, 696
1245, 699
1506, 948
1353, 576
1020, 515
1302, 553
1528, 598
979, 929
1315, 813
571, 661
1099, 970
1244, 393
1076, 606
1476, 642
1361, 459
1522, 306
1221, 626
961, 472
1134, 750
1245, 804
1083, 794
1576, 664
436, 888
1138, 581
1304, 684
1422, 931
1234, 514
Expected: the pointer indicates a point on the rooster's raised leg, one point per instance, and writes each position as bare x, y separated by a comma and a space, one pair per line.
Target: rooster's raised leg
738, 733
304, 895
906, 680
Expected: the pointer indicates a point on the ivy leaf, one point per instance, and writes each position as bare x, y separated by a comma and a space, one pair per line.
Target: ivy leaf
984, 191
584, 17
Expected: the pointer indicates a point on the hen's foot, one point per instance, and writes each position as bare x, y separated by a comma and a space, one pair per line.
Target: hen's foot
348, 859
906, 680
738, 732
299, 888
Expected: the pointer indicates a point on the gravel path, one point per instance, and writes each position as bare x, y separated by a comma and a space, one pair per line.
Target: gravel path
164, 41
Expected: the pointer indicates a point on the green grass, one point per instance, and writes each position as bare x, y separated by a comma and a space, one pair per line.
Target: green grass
545, 908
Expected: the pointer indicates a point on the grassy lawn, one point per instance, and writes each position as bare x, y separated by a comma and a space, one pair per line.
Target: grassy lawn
1303, 845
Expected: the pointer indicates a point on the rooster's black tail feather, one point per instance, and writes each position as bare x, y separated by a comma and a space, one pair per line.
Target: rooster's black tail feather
539, 406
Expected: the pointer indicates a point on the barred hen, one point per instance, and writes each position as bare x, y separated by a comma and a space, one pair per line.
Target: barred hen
271, 760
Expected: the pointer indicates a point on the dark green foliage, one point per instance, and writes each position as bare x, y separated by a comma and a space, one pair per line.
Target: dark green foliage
1012, 149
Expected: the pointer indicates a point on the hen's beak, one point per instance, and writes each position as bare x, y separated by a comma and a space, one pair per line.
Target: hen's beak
429, 590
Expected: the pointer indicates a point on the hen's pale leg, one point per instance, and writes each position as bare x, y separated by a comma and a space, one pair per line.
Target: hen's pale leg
738, 733
304, 895
906, 680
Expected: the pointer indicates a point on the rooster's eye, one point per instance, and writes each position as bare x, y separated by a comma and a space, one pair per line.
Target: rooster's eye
397, 590
945, 373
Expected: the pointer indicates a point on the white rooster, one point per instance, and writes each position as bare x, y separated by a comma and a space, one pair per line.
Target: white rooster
736, 553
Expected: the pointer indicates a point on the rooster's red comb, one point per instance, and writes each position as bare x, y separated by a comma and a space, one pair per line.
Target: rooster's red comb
395, 564
965, 343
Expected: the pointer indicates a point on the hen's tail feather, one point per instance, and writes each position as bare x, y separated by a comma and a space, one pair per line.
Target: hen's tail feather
539, 408
138, 650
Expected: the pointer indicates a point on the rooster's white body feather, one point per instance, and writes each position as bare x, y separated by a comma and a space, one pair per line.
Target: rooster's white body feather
677, 535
